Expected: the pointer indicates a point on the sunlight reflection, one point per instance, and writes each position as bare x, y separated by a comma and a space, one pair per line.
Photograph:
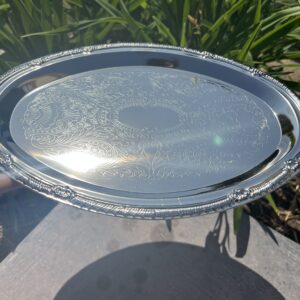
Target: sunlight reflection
82, 162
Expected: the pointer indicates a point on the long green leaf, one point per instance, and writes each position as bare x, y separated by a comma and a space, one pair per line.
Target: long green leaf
222, 19
294, 36
9, 36
293, 55
272, 203
135, 27
237, 218
257, 13
104, 33
279, 30
109, 8
280, 16
78, 26
244, 51
186, 10
4, 6
136, 4
164, 31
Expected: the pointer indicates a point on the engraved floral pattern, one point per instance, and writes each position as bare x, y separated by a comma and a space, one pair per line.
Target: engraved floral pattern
82, 112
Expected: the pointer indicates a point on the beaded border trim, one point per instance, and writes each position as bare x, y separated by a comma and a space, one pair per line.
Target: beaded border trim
67, 195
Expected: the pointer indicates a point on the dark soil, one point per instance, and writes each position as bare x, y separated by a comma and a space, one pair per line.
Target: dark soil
287, 199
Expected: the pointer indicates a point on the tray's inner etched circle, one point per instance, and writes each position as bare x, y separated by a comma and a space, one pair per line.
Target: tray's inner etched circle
145, 129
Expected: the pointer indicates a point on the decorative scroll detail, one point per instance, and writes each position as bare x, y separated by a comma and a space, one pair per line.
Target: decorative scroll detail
59, 119
63, 192
292, 165
5, 160
240, 195
35, 183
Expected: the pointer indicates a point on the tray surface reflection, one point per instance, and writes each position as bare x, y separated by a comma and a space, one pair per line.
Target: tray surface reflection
163, 134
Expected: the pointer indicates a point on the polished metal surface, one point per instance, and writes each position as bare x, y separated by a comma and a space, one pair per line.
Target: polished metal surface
147, 131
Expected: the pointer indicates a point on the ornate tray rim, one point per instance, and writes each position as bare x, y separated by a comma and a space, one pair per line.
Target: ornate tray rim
51, 188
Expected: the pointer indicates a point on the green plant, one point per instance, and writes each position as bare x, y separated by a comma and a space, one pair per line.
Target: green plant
238, 212
255, 32
32, 28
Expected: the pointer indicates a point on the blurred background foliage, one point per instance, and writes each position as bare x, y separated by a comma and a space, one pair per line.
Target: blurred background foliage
260, 33
255, 32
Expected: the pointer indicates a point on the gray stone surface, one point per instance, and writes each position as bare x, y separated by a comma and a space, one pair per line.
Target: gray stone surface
74, 254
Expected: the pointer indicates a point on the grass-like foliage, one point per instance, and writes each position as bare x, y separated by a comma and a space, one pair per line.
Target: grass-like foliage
255, 32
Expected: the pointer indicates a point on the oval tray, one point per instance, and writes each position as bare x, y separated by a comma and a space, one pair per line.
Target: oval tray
147, 131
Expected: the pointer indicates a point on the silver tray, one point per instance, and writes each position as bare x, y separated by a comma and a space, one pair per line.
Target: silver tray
147, 131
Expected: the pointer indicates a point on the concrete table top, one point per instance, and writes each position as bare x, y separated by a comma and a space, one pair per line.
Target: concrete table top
73, 254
